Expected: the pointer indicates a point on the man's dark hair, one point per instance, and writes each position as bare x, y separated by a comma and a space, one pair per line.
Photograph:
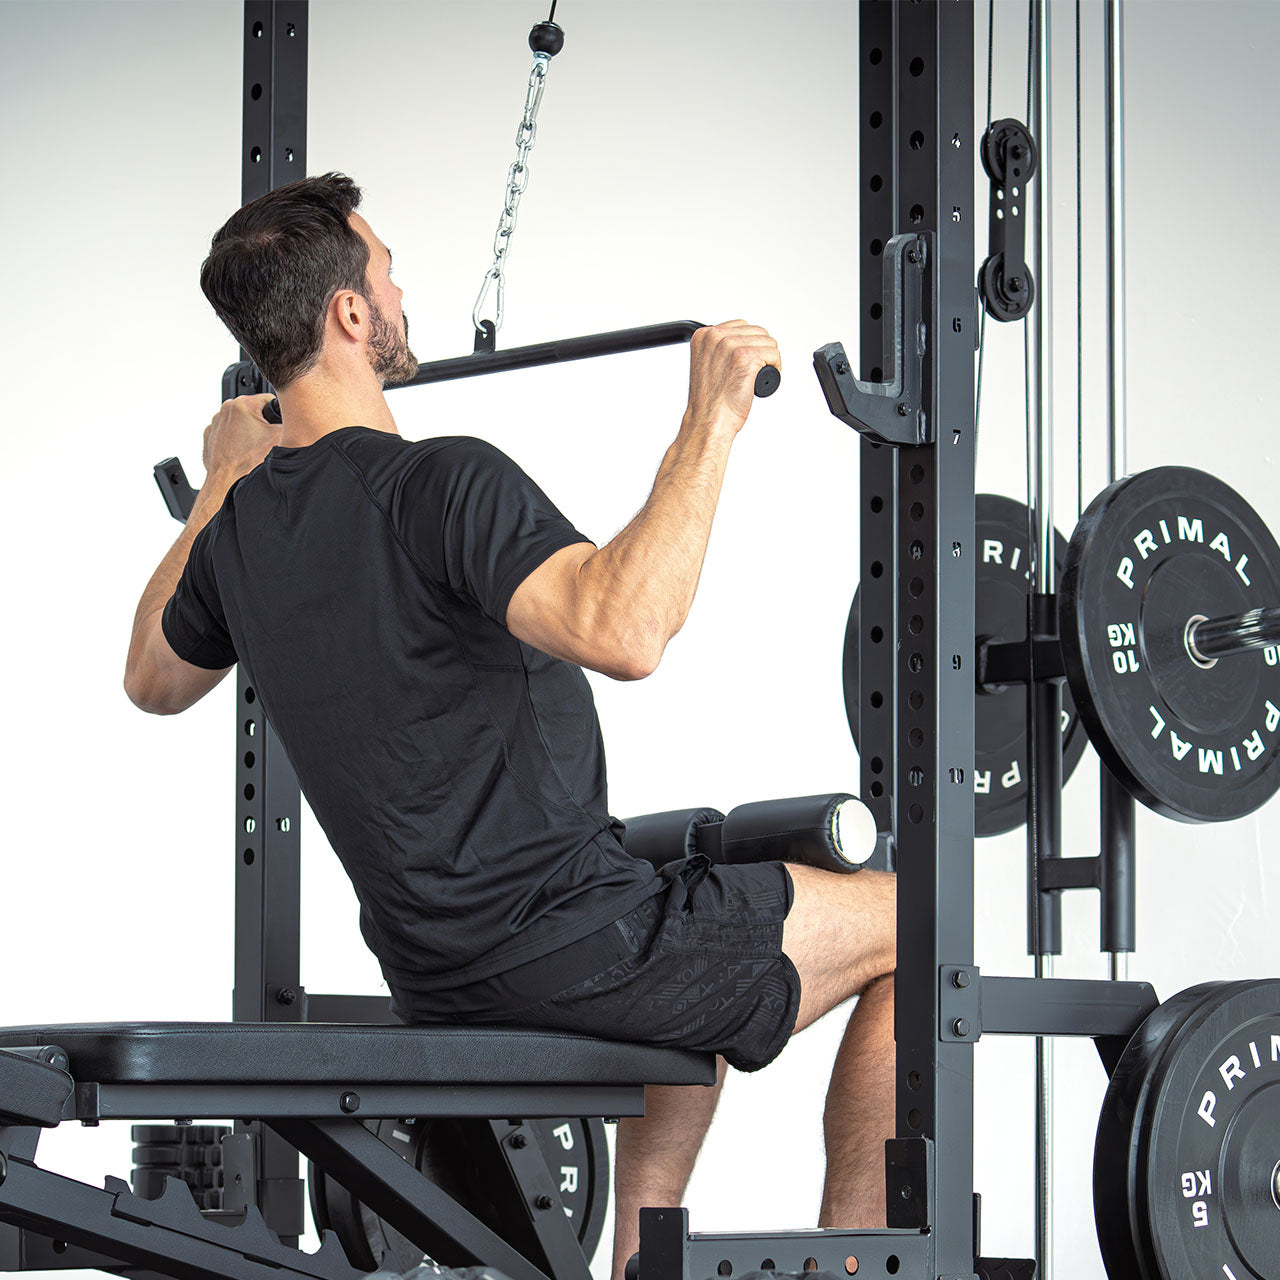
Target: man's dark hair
276, 263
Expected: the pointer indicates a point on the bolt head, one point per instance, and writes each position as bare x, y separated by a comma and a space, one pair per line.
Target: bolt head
349, 1102
960, 1027
518, 1140
543, 1202
961, 978
907, 1192
903, 410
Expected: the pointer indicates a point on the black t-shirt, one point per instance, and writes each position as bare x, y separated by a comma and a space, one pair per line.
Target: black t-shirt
458, 772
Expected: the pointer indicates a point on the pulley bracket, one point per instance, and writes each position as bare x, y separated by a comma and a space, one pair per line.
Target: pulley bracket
1004, 281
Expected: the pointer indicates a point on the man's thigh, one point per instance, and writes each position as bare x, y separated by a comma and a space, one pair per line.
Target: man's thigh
840, 934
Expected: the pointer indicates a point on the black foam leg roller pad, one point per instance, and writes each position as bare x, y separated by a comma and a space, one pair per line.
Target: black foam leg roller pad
832, 832
665, 837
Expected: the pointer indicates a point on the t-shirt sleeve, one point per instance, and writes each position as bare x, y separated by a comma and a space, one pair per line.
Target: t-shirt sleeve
193, 620
477, 522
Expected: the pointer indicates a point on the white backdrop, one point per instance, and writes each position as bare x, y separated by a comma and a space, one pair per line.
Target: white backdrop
694, 159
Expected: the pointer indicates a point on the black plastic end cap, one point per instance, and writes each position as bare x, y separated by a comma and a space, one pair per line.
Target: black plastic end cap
546, 37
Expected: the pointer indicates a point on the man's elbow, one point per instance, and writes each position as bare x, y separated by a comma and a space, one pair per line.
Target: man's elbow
633, 663
146, 696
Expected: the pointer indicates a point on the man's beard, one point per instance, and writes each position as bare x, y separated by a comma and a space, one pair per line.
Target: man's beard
389, 353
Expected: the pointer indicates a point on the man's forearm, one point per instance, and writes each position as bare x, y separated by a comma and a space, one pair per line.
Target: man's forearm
640, 586
165, 579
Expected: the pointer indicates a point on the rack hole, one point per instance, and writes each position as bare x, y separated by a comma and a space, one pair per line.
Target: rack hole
916, 588
256, 155
877, 765
851, 1265
916, 511
916, 738
877, 699
917, 474
877, 569
257, 31
917, 214
916, 66
877, 789
916, 625
915, 663
877, 373
725, 1268
875, 120
913, 1080
874, 58
811, 1264
916, 141
876, 246
891, 1264
256, 92
877, 634
876, 182
248, 857
876, 311
876, 504
249, 759
915, 813
249, 695
289, 29
914, 1118
249, 791
915, 700
250, 728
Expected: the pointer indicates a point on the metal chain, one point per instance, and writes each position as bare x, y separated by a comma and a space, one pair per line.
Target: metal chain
517, 181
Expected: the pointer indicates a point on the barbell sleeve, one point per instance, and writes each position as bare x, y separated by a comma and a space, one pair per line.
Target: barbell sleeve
1209, 639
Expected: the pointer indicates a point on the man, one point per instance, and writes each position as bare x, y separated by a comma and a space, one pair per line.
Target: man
416, 616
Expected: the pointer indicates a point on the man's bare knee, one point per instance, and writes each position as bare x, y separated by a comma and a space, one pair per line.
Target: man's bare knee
840, 935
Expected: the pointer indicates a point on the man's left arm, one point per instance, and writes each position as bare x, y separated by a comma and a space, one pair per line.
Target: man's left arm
156, 678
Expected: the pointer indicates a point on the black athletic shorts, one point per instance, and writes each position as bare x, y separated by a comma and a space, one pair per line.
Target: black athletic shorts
698, 966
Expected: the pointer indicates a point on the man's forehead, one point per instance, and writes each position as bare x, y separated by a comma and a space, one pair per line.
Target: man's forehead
365, 231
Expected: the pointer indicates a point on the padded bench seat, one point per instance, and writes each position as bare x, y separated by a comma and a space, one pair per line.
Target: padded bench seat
336, 1053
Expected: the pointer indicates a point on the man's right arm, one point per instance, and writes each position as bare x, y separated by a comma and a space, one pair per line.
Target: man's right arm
614, 609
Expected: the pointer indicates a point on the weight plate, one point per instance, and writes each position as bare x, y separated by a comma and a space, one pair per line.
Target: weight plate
457, 1156
1151, 552
1186, 1171
1000, 724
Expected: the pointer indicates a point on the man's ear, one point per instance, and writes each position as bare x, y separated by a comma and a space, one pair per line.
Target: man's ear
351, 313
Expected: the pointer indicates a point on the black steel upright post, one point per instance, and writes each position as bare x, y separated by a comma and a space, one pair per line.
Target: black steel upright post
918, 556
269, 801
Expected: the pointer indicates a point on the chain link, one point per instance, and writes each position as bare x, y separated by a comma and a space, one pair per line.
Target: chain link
517, 181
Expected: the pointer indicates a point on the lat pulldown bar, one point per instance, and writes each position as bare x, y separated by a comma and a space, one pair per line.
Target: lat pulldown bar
486, 360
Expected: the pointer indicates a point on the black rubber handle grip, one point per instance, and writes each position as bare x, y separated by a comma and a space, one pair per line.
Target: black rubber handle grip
767, 381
